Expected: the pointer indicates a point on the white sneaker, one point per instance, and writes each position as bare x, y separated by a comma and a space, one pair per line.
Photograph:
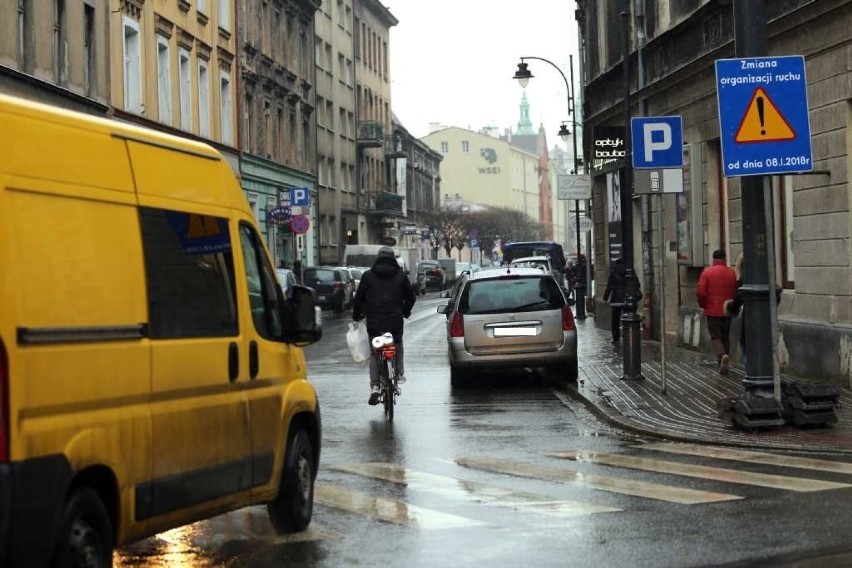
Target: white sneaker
375, 393
400, 379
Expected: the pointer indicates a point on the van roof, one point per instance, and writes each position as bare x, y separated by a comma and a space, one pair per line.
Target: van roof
109, 126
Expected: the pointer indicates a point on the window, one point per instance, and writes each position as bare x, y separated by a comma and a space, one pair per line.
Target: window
185, 90
202, 6
250, 127
60, 43
465, 147
132, 67
349, 72
329, 108
225, 93
89, 72
784, 231
524, 294
445, 147
203, 99
225, 15
265, 297
190, 274
341, 122
280, 133
164, 80
253, 199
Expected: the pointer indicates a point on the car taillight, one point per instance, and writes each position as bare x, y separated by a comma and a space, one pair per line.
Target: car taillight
337, 285
457, 325
4, 404
567, 319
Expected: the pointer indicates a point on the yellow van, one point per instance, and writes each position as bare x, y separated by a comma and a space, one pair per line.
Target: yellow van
151, 371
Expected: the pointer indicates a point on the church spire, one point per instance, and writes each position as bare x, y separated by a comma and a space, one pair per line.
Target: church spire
525, 124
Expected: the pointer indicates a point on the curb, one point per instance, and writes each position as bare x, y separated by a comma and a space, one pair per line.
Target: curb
615, 418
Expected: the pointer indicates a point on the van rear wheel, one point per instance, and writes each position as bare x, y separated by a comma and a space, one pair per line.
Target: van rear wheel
85, 538
293, 506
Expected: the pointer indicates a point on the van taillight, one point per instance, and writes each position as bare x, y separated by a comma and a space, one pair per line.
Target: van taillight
457, 325
4, 404
567, 319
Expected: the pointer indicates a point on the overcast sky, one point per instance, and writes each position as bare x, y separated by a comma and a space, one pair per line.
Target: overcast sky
452, 62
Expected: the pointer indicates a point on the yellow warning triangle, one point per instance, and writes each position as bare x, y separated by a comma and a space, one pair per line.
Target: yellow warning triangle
202, 226
763, 121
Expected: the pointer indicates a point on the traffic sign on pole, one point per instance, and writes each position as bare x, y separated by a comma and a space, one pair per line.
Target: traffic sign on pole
763, 115
300, 224
657, 142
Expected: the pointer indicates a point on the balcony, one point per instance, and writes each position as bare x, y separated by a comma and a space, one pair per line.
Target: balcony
370, 134
393, 148
388, 204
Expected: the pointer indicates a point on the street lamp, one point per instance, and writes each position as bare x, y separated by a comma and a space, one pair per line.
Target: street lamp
563, 133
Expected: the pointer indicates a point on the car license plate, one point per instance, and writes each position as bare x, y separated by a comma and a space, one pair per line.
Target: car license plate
322, 298
513, 331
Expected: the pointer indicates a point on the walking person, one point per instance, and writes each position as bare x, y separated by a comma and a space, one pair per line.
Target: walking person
614, 296
579, 276
718, 284
385, 296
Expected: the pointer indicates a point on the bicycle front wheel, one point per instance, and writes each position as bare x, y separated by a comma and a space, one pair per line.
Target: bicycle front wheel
388, 389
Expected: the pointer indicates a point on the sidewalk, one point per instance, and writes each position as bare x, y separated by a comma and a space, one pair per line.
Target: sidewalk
688, 411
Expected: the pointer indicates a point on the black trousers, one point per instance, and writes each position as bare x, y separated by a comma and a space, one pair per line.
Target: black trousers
580, 305
719, 329
615, 322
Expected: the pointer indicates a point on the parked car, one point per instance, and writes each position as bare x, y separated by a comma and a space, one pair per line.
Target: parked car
540, 262
287, 279
435, 277
333, 286
356, 272
511, 317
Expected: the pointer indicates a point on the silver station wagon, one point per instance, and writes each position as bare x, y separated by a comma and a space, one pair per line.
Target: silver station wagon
510, 317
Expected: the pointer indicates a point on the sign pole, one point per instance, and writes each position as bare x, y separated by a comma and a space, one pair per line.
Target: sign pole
661, 230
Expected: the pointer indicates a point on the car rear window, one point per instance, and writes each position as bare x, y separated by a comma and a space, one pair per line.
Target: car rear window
314, 274
511, 294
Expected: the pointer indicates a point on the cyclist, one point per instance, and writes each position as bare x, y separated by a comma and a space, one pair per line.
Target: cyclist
385, 296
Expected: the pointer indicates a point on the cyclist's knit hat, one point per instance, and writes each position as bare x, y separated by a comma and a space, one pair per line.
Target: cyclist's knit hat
386, 252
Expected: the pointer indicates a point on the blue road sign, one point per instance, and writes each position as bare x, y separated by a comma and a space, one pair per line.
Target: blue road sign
300, 197
657, 142
763, 115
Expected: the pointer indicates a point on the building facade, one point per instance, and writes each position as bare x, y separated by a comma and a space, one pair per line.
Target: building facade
378, 207
417, 180
335, 87
172, 68
811, 217
56, 52
278, 126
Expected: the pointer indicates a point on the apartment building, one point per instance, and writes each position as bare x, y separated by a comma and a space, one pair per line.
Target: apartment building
279, 111
378, 207
56, 52
680, 42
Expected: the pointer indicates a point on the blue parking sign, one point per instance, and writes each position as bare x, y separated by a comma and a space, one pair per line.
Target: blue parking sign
300, 196
657, 142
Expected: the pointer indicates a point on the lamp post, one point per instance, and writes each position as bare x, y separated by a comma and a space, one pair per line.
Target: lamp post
632, 347
523, 75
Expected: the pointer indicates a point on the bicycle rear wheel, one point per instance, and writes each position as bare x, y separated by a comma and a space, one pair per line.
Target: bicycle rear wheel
388, 390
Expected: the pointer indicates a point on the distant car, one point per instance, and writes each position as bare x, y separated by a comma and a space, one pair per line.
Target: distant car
333, 286
541, 262
356, 273
510, 317
287, 279
435, 277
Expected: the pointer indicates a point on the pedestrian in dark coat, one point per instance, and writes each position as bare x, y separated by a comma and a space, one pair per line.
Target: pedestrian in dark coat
616, 284
385, 297
579, 277
717, 285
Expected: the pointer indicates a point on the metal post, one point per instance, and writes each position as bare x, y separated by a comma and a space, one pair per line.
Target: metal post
579, 293
769, 213
632, 347
759, 406
661, 230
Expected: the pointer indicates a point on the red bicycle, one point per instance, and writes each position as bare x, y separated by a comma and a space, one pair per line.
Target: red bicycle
384, 351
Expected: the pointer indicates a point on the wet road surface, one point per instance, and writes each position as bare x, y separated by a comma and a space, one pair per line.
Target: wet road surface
512, 472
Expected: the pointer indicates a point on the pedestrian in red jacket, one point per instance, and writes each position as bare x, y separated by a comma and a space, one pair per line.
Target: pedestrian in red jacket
718, 284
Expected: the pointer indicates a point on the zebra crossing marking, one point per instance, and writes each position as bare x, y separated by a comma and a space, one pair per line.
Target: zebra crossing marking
473, 491
798, 484
390, 510
750, 457
622, 486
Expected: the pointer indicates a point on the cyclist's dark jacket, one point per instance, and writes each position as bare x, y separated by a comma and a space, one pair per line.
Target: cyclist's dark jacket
384, 297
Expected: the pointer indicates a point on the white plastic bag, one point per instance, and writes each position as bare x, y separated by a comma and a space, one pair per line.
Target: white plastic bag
359, 343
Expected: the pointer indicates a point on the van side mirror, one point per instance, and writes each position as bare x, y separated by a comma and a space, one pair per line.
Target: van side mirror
443, 309
302, 317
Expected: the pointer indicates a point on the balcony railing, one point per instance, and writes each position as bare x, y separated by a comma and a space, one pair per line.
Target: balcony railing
371, 134
393, 148
387, 203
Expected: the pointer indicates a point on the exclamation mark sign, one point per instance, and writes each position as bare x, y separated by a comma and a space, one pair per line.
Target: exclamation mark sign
760, 115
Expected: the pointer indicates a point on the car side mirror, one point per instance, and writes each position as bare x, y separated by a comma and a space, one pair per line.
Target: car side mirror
443, 309
302, 317
445, 294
